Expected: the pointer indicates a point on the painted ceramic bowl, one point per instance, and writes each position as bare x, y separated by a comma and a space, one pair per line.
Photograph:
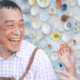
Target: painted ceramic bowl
66, 37
43, 43
59, 66
56, 36
36, 24
58, 3
57, 23
77, 54
63, 7
54, 56
34, 10
76, 30
64, 18
36, 43
31, 2
46, 28
73, 3
44, 16
68, 26
43, 3
52, 11
74, 42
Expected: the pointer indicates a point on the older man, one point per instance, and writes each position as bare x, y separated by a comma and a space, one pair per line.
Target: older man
16, 54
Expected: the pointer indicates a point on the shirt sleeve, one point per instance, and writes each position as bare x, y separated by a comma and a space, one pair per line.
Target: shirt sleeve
44, 70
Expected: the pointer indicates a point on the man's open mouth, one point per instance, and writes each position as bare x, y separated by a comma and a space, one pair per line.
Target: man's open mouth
14, 41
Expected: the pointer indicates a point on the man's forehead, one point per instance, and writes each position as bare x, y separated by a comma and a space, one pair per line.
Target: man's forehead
9, 12
6, 10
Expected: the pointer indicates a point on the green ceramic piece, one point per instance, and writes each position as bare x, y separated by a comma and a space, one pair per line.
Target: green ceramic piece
76, 30
56, 36
36, 43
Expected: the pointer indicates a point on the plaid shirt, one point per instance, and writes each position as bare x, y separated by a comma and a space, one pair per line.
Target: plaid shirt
15, 65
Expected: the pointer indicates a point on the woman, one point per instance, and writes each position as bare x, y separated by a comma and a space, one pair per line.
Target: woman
67, 56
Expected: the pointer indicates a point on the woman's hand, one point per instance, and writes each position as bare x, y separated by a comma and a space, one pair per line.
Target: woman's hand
67, 76
67, 56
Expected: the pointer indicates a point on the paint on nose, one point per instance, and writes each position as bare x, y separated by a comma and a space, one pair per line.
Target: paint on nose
18, 31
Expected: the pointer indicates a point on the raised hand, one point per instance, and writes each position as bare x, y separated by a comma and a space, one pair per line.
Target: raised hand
67, 56
67, 76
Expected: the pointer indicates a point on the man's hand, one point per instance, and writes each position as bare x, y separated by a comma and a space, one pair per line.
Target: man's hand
67, 76
67, 56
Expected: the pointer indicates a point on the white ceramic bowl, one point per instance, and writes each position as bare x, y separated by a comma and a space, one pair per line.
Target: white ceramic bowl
36, 24
46, 28
34, 10
66, 37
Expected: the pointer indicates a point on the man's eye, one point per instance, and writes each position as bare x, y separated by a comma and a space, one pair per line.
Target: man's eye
21, 25
10, 25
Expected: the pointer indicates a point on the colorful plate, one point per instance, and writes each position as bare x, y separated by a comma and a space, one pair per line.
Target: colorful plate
44, 16
52, 11
46, 28
31, 2
58, 3
56, 36
43, 3
54, 56
77, 53
68, 26
76, 30
43, 43
36, 24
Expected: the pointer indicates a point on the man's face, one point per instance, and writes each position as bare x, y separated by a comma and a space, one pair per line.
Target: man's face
10, 23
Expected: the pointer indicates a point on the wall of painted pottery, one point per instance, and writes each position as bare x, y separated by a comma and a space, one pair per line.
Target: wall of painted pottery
50, 22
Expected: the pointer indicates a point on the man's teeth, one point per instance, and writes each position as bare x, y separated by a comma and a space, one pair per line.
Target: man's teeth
14, 40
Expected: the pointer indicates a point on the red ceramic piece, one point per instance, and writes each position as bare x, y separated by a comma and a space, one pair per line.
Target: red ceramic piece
59, 3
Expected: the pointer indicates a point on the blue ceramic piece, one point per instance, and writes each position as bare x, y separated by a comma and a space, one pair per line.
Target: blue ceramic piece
69, 25
63, 7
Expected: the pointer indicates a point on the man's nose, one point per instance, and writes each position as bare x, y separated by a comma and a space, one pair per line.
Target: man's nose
16, 31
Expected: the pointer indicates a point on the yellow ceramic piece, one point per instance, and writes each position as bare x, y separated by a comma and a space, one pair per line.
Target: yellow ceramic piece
56, 36
43, 2
47, 2
31, 2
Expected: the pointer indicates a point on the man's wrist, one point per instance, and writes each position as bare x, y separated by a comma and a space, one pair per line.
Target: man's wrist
71, 71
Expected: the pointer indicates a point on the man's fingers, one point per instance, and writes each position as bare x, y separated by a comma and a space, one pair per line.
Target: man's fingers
58, 52
64, 73
67, 46
64, 78
71, 49
61, 50
63, 47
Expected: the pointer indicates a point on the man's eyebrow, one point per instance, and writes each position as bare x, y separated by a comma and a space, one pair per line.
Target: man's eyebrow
8, 21
12, 20
21, 20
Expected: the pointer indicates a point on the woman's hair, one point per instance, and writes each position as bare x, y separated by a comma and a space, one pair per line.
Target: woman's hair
9, 4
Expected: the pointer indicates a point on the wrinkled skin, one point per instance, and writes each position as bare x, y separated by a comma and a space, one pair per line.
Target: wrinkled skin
10, 21
67, 56
67, 76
